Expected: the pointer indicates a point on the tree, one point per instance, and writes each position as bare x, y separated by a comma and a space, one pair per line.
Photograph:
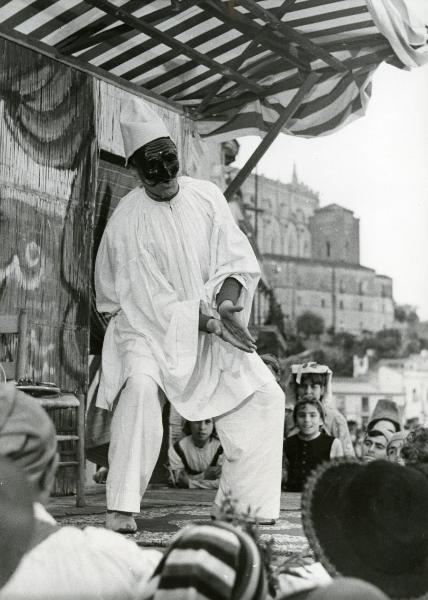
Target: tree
309, 323
275, 314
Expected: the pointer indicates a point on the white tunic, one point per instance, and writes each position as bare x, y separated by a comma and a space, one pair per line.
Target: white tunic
81, 564
158, 262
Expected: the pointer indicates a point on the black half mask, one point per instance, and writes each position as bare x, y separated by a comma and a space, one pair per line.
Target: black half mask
157, 161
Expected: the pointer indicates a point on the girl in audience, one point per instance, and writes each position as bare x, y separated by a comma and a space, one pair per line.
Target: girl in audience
310, 446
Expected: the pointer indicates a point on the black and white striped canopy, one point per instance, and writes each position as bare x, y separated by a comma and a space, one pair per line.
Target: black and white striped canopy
236, 65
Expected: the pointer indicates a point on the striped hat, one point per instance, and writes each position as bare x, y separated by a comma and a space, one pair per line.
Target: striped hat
214, 561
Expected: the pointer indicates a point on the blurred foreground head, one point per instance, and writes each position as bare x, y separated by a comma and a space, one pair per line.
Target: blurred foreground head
370, 521
16, 518
28, 438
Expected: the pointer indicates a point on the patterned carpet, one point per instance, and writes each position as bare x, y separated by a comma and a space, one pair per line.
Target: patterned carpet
165, 511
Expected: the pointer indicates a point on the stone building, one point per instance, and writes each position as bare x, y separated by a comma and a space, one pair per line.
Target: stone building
311, 257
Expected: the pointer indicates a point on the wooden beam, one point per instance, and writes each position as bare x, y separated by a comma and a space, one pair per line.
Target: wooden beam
150, 30
271, 135
291, 34
217, 85
78, 42
250, 29
95, 34
32, 44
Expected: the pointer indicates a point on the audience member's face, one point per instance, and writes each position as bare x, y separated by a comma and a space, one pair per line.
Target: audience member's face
201, 431
308, 421
157, 166
309, 386
374, 448
394, 451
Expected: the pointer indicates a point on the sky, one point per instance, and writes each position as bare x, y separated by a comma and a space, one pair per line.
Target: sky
378, 167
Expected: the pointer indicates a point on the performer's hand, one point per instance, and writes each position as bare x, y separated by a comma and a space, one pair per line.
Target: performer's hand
230, 319
216, 327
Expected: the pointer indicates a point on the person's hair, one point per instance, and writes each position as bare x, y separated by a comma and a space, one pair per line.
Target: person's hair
272, 361
415, 447
303, 402
372, 433
187, 430
317, 379
372, 424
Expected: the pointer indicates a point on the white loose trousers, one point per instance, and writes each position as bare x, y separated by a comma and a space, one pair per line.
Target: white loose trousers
136, 438
251, 436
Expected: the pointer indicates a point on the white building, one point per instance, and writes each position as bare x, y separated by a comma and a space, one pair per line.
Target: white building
404, 380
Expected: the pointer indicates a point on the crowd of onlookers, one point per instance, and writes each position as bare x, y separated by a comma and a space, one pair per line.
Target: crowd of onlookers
314, 432
365, 516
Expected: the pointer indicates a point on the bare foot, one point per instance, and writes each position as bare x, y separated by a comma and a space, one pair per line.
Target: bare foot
121, 522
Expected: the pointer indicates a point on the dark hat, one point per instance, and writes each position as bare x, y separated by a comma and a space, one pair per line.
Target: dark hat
16, 518
385, 410
370, 521
347, 588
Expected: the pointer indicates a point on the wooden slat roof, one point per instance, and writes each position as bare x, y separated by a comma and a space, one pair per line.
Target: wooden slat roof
235, 65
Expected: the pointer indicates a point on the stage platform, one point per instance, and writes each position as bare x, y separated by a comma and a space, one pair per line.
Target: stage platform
165, 510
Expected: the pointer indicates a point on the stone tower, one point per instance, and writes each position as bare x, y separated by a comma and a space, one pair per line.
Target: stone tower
335, 234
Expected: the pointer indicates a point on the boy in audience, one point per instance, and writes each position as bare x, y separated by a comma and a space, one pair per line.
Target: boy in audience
195, 461
310, 446
395, 444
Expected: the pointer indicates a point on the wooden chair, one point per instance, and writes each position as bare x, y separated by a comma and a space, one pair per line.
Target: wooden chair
15, 370
15, 324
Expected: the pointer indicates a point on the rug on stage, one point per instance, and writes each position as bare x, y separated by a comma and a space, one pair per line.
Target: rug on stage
158, 525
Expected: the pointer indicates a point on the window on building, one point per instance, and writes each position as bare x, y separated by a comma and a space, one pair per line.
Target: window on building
322, 303
361, 288
341, 304
364, 405
327, 249
360, 306
299, 300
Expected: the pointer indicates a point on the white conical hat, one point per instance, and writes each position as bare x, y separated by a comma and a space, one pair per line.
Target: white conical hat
139, 125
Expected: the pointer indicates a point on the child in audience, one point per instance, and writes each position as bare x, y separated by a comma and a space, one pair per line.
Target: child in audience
314, 380
395, 444
310, 446
195, 461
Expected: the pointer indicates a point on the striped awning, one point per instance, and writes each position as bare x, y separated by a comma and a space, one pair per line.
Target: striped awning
237, 66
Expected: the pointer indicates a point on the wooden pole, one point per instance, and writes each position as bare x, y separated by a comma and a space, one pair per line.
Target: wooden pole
271, 135
80, 450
